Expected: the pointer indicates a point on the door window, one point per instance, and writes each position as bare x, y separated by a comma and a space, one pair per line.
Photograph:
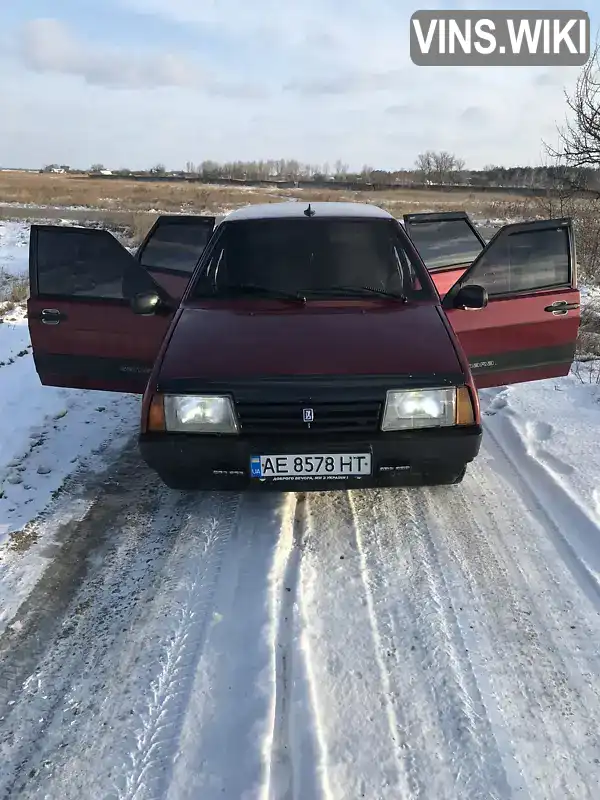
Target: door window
176, 245
444, 242
524, 261
79, 262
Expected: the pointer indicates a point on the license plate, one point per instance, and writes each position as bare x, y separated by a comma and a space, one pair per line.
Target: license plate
341, 465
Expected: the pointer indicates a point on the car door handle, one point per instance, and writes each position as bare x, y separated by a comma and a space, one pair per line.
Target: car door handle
561, 307
52, 316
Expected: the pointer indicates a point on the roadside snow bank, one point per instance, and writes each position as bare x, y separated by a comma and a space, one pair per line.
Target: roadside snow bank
14, 248
14, 261
553, 425
46, 432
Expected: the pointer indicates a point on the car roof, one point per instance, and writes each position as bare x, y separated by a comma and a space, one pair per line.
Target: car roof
295, 209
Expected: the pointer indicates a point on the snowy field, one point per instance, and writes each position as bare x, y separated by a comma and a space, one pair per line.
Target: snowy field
440, 643
14, 241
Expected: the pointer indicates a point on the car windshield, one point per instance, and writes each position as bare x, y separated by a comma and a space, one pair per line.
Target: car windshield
314, 259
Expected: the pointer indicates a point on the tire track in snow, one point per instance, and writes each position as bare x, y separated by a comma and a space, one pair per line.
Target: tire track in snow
295, 763
359, 755
538, 673
41, 613
161, 715
37, 665
168, 692
242, 723
281, 772
75, 718
372, 582
424, 646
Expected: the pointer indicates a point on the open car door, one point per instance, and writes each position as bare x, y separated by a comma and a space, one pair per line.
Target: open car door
172, 248
83, 331
448, 242
528, 329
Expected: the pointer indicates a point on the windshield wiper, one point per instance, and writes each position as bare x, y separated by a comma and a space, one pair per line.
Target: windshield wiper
255, 288
360, 290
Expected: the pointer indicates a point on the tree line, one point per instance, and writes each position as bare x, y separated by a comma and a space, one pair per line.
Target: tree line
575, 162
430, 168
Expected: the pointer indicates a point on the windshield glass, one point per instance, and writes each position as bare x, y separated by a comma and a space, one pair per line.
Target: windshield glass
444, 243
312, 257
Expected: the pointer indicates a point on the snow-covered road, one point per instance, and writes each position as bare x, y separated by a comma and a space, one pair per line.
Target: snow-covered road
440, 643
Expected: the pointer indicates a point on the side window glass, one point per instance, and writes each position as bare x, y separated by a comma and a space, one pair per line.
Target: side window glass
176, 247
445, 243
524, 261
80, 263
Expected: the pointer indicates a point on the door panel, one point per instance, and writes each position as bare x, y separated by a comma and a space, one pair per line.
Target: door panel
444, 279
523, 334
172, 249
448, 242
83, 332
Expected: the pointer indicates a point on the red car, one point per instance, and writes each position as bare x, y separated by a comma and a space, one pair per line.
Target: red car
305, 347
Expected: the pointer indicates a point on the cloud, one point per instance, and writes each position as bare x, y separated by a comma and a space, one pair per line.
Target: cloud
546, 79
47, 45
558, 76
474, 114
400, 109
309, 34
333, 77
347, 83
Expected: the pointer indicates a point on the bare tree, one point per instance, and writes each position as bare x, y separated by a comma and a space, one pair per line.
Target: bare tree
366, 173
425, 165
573, 186
443, 166
341, 169
439, 167
579, 138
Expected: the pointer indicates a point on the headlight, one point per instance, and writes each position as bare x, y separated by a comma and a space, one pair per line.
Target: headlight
200, 414
419, 408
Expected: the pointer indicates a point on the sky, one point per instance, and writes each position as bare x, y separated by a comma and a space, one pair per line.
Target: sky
133, 83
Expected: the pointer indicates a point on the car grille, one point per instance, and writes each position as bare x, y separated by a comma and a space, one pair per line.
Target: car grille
328, 417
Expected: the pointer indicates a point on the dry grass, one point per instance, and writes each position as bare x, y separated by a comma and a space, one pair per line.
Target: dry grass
13, 288
14, 291
588, 340
127, 195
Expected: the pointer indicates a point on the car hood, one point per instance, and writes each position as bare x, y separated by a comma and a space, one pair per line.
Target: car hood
356, 339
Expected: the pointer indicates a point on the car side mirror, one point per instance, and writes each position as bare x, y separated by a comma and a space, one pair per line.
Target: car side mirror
146, 303
471, 298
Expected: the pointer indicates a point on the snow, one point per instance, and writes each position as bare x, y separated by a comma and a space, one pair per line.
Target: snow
28, 206
14, 248
47, 433
277, 210
48, 430
439, 643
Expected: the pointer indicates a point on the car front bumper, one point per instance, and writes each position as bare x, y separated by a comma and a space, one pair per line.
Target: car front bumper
223, 462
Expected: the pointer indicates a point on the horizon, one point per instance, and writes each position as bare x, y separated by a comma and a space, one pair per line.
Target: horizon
350, 172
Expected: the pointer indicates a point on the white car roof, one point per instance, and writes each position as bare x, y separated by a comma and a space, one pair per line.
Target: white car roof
291, 210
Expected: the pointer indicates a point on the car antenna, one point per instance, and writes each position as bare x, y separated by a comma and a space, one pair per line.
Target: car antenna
309, 212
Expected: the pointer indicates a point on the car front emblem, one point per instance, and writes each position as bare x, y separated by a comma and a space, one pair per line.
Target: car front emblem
308, 415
